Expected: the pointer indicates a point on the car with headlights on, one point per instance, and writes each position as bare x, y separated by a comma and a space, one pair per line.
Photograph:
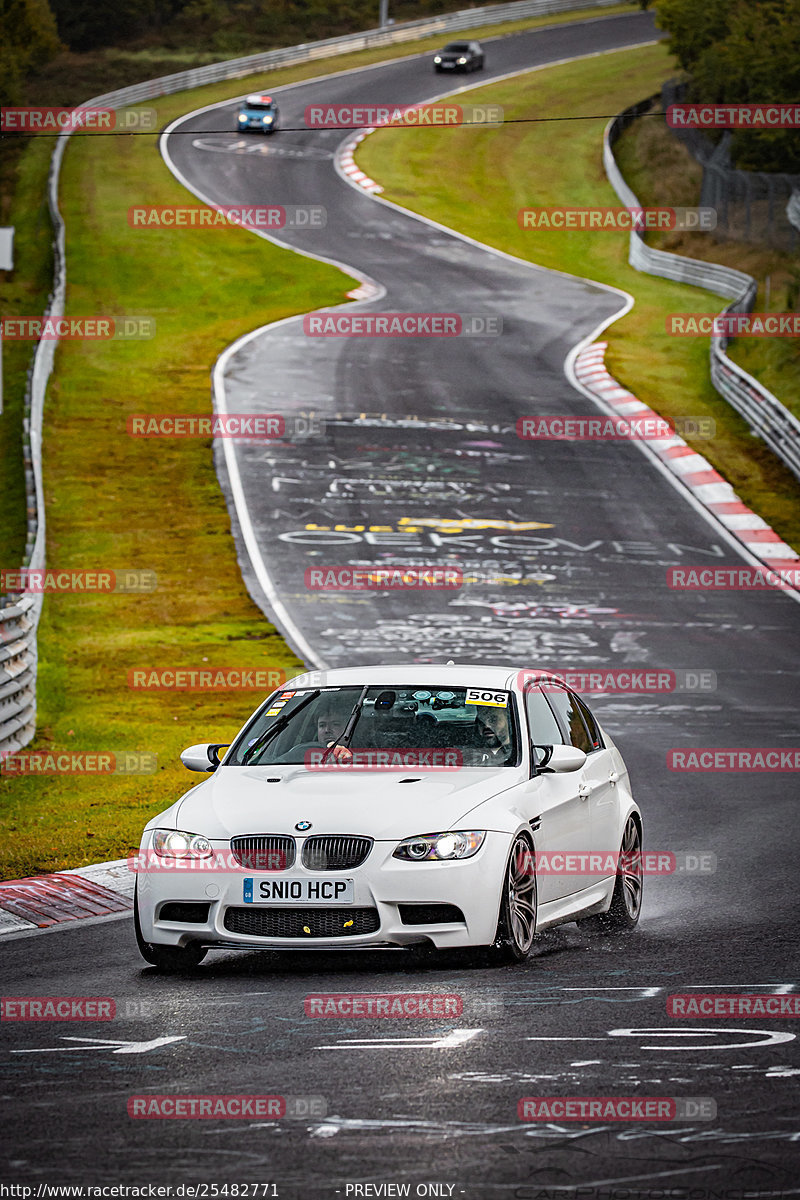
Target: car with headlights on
257, 114
460, 56
417, 806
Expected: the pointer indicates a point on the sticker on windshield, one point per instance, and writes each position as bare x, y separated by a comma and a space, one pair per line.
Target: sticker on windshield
481, 696
286, 695
273, 712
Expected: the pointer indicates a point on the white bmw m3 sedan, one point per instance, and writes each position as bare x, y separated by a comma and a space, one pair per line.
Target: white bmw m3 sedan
439, 806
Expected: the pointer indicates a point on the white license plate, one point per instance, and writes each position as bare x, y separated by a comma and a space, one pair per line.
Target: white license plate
272, 890
447, 66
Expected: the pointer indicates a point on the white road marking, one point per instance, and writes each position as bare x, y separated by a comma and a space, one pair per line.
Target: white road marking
765, 1038
457, 1038
105, 1044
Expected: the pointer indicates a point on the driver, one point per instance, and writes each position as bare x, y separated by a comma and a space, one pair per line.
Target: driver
331, 723
493, 730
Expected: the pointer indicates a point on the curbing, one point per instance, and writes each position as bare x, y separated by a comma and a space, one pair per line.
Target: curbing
42, 901
696, 473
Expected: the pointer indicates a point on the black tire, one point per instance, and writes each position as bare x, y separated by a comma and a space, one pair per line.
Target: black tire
516, 925
626, 900
166, 958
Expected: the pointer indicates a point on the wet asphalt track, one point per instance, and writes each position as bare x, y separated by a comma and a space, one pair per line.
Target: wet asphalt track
583, 1016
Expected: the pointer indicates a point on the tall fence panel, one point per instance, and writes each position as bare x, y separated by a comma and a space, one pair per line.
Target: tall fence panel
763, 412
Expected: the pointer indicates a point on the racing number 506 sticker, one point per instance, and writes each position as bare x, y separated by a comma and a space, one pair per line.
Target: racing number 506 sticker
493, 699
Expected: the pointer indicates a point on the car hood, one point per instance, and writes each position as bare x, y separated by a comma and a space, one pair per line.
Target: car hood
239, 800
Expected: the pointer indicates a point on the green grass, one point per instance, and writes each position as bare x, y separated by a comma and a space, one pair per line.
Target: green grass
23, 292
661, 171
476, 182
114, 501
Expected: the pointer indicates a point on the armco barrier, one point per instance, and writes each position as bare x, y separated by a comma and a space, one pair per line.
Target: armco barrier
19, 620
763, 412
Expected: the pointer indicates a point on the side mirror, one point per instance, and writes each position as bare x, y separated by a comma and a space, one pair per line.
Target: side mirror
204, 757
558, 759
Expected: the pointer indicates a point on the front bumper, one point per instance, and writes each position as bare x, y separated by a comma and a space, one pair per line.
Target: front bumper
383, 887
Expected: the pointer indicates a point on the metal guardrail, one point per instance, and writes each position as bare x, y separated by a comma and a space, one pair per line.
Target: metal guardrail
764, 413
19, 618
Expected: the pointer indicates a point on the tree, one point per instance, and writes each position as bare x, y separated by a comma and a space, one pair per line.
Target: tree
28, 40
743, 52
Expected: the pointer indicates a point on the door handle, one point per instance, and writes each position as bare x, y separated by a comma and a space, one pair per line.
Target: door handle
585, 790
613, 778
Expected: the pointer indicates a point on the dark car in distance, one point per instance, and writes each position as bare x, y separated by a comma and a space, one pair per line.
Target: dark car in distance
460, 56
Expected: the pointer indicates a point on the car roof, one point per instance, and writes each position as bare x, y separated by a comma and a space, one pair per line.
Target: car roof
504, 678
259, 100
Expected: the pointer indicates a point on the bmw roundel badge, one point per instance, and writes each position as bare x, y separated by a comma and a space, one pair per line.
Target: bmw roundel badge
303, 826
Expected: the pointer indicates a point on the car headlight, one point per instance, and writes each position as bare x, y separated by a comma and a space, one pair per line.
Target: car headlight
267, 120
438, 58
242, 116
172, 843
461, 62
441, 847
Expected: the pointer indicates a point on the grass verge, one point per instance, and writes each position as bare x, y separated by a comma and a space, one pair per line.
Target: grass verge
661, 171
117, 502
477, 181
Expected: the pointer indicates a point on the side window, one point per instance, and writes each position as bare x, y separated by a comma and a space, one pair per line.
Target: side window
591, 724
565, 706
542, 724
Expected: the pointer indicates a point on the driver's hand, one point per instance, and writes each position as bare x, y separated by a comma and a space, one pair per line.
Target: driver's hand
340, 753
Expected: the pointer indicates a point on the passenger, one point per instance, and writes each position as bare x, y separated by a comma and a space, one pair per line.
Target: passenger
493, 733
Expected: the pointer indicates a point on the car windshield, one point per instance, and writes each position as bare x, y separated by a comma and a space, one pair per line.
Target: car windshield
470, 726
457, 47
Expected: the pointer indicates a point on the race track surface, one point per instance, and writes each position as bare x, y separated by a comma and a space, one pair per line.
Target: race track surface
420, 463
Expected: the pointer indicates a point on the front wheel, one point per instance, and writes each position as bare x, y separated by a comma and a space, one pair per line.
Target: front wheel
166, 958
516, 926
626, 900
